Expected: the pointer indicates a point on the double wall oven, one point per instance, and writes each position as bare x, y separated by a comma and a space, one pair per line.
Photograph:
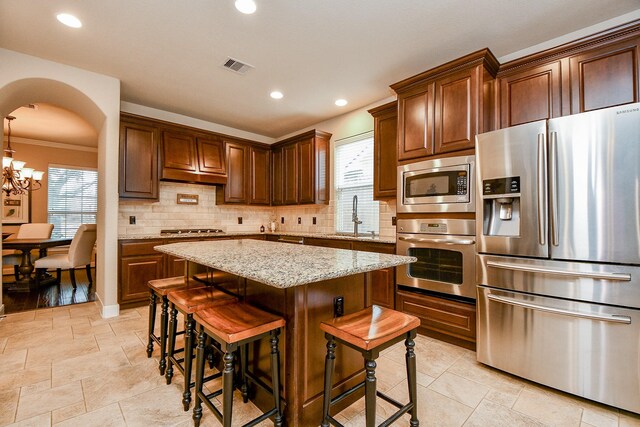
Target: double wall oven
445, 248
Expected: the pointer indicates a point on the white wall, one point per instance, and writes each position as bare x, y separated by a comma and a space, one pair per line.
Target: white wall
95, 97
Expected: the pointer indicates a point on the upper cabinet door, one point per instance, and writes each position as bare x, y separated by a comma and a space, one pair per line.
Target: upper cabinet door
456, 115
211, 158
277, 188
237, 164
290, 173
138, 161
415, 118
385, 134
178, 152
260, 174
306, 171
530, 95
604, 77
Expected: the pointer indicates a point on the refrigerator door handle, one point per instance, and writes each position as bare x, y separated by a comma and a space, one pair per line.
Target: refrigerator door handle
553, 186
542, 189
615, 318
619, 277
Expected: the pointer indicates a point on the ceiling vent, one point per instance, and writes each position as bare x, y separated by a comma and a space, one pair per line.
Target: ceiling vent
236, 66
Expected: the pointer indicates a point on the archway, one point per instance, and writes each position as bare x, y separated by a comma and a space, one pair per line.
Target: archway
46, 90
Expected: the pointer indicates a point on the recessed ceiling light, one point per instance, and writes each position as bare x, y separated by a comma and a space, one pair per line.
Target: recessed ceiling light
246, 6
276, 94
341, 102
69, 20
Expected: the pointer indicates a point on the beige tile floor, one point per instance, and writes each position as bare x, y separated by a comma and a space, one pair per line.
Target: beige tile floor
67, 366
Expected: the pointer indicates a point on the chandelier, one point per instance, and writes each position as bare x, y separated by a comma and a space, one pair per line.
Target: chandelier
16, 179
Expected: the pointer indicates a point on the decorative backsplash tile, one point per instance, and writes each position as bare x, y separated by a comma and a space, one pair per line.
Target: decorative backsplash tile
151, 217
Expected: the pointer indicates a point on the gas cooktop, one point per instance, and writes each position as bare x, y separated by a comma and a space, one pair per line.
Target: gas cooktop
192, 231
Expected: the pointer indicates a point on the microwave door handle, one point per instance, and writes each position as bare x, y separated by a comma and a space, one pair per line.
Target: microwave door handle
542, 189
615, 318
445, 241
553, 186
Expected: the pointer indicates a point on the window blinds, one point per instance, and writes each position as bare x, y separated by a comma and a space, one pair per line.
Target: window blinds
354, 176
73, 199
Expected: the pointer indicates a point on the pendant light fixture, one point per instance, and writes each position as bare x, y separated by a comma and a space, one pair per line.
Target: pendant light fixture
17, 179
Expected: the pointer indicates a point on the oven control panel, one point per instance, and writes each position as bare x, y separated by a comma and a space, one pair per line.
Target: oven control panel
433, 228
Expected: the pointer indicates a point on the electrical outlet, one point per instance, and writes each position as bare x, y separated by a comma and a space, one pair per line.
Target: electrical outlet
299, 220
239, 220
281, 220
338, 306
314, 220
132, 220
394, 221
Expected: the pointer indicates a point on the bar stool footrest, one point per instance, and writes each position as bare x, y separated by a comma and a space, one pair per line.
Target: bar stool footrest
347, 393
403, 410
334, 422
257, 381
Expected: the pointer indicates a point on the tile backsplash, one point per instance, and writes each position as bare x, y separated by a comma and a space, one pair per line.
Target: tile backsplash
151, 217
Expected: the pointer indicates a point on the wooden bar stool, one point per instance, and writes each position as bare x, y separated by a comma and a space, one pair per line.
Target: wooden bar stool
160, 288
370, 331
187, 302
235, 326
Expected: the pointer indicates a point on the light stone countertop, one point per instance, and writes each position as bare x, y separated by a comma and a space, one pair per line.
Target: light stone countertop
281, 265
363, 238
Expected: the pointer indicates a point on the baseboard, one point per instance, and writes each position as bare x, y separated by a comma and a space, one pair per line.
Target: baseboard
107, 311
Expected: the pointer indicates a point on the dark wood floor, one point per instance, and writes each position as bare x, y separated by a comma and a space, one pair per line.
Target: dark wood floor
50, 295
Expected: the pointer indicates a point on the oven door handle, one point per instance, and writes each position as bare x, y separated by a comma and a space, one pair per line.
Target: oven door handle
620, 277
615, 318
445, 241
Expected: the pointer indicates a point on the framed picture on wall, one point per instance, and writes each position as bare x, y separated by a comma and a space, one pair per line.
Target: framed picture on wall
16, 209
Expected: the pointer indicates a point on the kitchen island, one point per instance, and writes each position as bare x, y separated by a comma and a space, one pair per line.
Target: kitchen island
299, 283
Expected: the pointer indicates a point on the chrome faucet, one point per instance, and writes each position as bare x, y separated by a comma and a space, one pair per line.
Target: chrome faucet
354, 216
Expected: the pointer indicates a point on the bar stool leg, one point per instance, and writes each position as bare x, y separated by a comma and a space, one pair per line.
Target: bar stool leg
411, 377
275, 376
197, 404
244, 388
370, 391
227, 386
328, 373
173, 322
152, 321
163, 334
188, 358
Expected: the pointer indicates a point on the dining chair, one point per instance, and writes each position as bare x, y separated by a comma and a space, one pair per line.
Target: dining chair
79, 255
33, 230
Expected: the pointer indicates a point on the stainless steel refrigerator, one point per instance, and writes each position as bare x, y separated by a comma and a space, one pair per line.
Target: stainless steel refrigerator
558, 237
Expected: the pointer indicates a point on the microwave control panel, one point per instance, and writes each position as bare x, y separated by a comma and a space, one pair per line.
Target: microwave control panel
461, 184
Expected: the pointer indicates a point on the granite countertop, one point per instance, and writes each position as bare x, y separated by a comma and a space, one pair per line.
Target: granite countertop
363, 238
281, 265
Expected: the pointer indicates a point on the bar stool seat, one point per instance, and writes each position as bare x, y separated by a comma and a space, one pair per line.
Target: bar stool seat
234, 326
370, 331
187, 302
160, 288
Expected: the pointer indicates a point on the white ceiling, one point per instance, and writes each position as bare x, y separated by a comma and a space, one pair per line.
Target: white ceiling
168, 53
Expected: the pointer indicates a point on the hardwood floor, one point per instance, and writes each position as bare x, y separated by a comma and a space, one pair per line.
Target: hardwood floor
49, 295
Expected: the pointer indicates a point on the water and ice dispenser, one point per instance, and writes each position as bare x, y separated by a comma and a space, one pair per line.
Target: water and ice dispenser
501, 206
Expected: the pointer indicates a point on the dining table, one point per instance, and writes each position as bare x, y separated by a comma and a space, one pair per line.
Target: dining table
26, 279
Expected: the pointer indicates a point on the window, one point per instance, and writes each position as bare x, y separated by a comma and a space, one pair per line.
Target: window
354, 176
73, 199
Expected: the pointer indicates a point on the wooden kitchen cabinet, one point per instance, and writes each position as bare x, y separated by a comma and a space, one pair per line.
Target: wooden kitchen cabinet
192, 157
138, 159
442, 109
301, 174
260, 176
139, 263
381, 283
530, 94
444, 319
385, 153
237, 188
605, 76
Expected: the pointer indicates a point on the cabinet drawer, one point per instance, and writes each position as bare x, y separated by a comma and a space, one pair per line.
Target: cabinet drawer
450, 321
139, 248
381, 248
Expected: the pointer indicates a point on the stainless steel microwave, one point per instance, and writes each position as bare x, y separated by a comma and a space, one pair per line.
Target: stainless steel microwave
439, 185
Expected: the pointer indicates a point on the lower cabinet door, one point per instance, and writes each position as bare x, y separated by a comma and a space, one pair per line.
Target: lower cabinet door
176, 266
135, 272
382, 287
